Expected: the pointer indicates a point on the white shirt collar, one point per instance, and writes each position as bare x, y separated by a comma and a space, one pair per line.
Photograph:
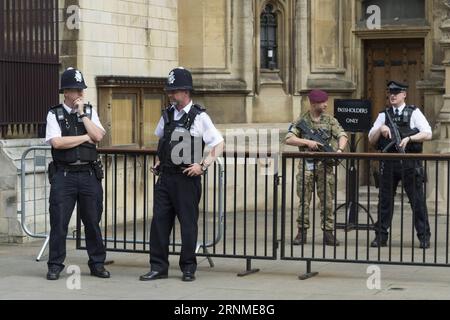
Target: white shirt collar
400, 109
185, 109
68, 109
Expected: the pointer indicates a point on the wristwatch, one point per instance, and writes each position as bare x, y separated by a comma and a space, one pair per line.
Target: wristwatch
204, 167
82, 116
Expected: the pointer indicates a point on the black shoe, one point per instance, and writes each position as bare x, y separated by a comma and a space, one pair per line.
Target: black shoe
188, 276
53, 273
424, 244
100, 272
153, 275
379, 242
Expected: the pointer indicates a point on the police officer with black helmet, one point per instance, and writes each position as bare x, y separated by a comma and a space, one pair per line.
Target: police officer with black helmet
414, 129
73, 129
183, 130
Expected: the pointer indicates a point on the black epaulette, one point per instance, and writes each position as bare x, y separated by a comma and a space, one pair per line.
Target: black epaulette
199, 108
58, 111
193, 113
412, 107
54, 107
88, 110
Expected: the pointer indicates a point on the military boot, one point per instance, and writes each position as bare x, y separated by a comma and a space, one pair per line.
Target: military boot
300, 238
328, 239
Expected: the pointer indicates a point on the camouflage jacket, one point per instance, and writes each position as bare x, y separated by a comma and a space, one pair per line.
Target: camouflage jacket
327, 123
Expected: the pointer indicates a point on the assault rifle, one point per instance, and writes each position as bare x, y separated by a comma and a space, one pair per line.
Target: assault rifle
319, 135
395, 135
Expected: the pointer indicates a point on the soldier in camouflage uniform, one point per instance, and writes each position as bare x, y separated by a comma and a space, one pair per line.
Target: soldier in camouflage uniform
320, 171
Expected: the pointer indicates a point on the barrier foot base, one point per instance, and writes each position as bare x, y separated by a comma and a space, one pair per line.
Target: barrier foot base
41, 252
205, 251
309, 274
249, 269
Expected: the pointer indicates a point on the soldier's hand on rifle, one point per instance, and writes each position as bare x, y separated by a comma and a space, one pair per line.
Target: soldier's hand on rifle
313, 145
404, 142
385, 131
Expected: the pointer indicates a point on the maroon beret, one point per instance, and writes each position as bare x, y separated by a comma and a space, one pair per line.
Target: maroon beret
317, 96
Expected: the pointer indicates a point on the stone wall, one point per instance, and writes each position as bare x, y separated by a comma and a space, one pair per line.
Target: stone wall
120, 38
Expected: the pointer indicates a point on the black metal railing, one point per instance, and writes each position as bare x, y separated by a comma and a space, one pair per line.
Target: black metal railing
238, 209
240, 206
356, 208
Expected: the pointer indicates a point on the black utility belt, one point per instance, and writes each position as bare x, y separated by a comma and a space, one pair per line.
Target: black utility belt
173, 170
74, 168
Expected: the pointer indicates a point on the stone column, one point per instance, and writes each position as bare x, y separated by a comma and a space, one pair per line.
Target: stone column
441, 131
443, 119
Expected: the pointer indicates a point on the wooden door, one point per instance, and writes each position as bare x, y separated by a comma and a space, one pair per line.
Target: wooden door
394, 59
391, 59
151, 113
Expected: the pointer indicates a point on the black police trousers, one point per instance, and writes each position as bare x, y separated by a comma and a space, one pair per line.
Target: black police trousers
410, 172
178, 195
83, 188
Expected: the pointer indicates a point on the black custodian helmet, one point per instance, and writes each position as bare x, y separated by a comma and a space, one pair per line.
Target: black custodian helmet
179, 79
72, 79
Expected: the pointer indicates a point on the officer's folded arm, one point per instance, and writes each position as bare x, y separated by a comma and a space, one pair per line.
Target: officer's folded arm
95, 133
70, 141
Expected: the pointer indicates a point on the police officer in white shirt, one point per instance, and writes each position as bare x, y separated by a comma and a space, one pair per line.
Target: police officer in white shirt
73, 129
184, 129
414, 129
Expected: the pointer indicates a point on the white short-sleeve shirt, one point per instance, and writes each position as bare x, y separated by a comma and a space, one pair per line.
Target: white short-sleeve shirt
202, 127
54, 131
418, 121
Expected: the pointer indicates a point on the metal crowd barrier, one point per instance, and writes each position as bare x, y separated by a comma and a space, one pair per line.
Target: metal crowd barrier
237, 219
239, 210
34, 167
34, 195
355, 212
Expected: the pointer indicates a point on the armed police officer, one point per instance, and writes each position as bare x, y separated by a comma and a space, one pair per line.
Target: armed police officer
413, 129
331, 131
183, 130
73, 129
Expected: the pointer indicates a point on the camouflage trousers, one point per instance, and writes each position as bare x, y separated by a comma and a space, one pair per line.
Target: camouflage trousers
306, 180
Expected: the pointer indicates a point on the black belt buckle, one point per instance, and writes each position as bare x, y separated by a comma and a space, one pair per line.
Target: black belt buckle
172, 170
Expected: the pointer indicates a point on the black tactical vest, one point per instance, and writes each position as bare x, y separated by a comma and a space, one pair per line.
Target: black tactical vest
404, 128
71, 125
177, 140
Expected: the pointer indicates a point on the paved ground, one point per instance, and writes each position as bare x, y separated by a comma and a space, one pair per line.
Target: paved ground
21, 277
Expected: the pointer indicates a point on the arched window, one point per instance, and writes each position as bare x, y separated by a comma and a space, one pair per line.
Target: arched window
269, 55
